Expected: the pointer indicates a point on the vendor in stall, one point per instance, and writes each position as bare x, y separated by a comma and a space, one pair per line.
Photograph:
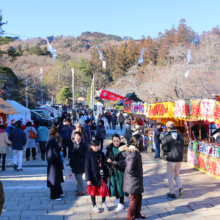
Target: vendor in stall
199, 131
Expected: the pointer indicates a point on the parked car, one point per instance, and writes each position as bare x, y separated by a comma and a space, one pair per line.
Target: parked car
37, 118
45, 115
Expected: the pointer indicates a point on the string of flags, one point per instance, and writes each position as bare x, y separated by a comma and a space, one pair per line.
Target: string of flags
101, 58
189, 57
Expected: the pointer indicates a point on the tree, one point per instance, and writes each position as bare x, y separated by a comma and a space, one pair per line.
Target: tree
84, 66
26, 47
1, 23
19, 51
64, 96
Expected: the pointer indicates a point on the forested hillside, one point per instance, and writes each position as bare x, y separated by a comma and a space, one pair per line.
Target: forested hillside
161, 76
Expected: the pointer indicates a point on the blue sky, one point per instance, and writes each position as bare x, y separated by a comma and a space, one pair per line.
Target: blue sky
134, 18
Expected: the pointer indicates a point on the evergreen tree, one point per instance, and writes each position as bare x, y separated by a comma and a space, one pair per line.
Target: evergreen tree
26, 48
64, 96
19, 51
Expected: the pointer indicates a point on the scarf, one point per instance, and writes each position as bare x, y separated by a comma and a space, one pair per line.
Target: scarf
133, 147
2, 130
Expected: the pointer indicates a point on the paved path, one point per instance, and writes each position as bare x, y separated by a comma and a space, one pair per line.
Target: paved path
27, 196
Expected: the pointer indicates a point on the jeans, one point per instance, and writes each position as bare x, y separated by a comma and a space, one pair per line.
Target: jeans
110, 123
134, 210
79, 182
157, 152
3, 160
18, 153
121, 125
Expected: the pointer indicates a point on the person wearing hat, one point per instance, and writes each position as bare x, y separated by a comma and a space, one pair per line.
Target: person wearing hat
173, 146
11, 127
65, 132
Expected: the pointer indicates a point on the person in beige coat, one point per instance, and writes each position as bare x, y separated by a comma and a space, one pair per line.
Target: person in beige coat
4, 141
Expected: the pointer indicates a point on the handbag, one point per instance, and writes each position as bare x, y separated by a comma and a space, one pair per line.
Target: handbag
32, 135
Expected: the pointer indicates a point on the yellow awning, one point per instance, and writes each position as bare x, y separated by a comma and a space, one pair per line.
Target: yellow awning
5, 108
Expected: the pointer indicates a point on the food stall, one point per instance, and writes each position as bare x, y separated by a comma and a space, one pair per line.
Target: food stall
5, 109
202, 154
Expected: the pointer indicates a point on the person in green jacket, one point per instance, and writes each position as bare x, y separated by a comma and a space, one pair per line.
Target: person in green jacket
116, 171
2, 197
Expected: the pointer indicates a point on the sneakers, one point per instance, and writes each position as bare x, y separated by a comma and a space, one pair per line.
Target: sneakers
171, 196
19, 169
59, 199
62, 195
104, 205
116, 202
95, 209
15, 167
120, 207
181, 192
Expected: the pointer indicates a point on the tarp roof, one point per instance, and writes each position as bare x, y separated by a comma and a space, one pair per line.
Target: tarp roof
19, 108
132, 96
6, 108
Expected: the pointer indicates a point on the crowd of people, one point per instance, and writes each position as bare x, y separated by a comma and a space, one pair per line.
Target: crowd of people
75, 138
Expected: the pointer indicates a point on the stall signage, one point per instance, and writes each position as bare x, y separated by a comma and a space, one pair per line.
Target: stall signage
127, 106
137, 108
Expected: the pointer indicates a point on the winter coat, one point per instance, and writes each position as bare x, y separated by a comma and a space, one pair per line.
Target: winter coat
18, 139
84, 135
102, 131
109, 117
54, 164
30, 141
42, 133
77, 157
92, 168
114, 119
87, 129
4, 141
120, 159
59, 140
173, 146
128, 132
121, 118
66, 131
157, 132
98, 120
133, 175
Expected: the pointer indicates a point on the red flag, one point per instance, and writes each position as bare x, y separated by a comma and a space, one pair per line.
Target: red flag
112, 96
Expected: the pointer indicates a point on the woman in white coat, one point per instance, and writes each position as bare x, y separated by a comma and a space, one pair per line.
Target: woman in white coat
105, 122
30, 144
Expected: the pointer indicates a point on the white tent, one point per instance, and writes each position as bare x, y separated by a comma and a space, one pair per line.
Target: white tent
99, 108
22, 112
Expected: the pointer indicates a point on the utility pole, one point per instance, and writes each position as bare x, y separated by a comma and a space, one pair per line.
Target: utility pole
73, 87
26, 92
41, 81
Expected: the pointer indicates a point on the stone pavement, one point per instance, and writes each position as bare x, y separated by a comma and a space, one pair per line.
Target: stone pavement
27, 196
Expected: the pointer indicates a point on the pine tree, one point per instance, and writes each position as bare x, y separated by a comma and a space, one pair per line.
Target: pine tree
26, 47
19, 51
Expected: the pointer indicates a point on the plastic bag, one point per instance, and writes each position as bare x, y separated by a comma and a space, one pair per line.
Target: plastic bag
68, 174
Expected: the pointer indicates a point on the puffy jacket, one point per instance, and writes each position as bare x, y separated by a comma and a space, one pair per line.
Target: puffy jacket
18, 139
43, 133
66, 131
133, 175
173, 146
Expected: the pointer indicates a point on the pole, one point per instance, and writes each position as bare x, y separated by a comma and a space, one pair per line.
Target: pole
26, 92
73, 87
93, 91
41, 81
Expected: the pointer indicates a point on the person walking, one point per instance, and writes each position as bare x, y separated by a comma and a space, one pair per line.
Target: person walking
109, 117
74, 116
77, 162
114, 121
99, 119
173, 146
101, 132
128, 131
79, 129
96, 175
87, 129
30, 141
18, 139
43, 135
157, 141
4, 142
105, 122
133, 176
54, 166
121, 120
66, 132
116, 171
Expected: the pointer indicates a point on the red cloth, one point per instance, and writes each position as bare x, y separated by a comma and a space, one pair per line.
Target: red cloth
98, 190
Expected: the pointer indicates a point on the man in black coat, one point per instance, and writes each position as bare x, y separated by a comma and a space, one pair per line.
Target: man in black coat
173, 146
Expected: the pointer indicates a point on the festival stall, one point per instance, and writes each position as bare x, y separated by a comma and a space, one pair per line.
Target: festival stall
23, 113
202, 154
5, 109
